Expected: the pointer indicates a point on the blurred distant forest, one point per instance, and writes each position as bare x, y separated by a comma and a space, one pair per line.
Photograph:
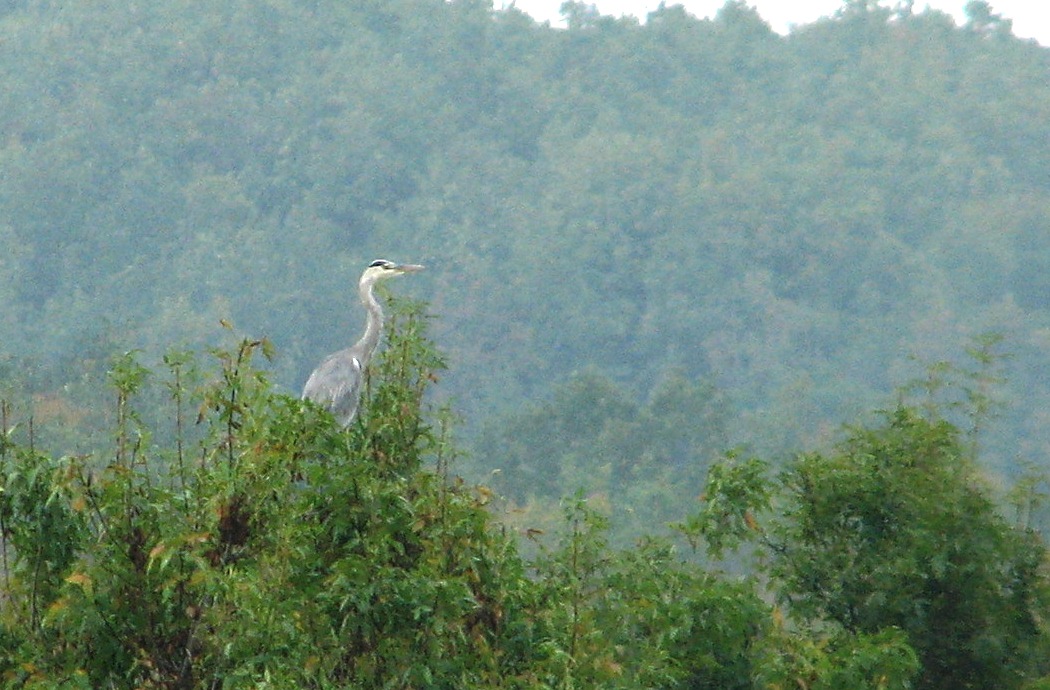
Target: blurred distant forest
646, 242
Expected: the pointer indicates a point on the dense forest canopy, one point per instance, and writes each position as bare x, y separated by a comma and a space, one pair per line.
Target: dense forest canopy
787, 219
664, 258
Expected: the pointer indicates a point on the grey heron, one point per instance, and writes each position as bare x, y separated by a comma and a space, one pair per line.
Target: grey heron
336, 382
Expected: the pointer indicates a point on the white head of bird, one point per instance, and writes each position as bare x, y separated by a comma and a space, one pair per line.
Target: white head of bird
381, 268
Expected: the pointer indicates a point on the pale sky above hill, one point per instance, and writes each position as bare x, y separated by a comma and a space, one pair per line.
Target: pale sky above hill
1031, 18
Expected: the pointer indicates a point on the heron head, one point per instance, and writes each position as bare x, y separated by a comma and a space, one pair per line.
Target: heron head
381, 268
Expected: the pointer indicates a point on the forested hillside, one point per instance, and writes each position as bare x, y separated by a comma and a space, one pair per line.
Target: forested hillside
665, 263
769, 227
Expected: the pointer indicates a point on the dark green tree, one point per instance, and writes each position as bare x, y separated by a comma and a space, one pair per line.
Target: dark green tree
893, 530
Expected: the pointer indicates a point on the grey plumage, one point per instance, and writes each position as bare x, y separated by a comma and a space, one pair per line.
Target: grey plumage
336, 382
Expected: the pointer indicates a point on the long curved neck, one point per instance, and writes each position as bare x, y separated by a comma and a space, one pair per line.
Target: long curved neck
374, 323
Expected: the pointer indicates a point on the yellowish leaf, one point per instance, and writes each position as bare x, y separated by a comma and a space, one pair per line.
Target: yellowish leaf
157, 550
82, 580
58, 606
778, 617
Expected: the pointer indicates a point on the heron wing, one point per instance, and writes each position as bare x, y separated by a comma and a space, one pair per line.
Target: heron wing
336, 384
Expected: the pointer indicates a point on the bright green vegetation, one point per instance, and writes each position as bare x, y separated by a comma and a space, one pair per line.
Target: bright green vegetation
264, 547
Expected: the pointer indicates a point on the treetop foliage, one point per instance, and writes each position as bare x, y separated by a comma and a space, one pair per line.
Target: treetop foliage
894, 531
267, 547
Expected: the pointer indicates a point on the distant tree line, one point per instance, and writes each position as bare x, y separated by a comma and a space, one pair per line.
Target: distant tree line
786, 219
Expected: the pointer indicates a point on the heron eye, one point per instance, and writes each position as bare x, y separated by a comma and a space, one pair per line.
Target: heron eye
377, 263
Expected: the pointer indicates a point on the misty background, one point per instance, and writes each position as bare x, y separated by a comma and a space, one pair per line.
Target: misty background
645, 243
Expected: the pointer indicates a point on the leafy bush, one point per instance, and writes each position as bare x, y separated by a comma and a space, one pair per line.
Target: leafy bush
277, 550
892, 530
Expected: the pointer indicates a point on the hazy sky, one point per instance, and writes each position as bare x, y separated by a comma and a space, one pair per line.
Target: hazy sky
1031, 17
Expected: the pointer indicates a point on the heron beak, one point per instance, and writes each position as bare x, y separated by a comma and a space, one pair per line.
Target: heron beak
409, 268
